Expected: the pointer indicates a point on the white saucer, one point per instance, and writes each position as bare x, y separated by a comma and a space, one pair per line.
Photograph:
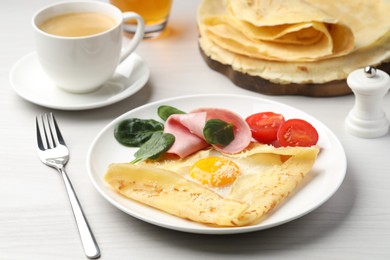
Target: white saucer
31, 83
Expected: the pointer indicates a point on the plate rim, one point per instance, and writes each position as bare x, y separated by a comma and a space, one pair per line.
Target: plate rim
204, 229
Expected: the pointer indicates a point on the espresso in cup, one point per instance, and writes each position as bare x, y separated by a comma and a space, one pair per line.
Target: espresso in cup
79, 43
78, 24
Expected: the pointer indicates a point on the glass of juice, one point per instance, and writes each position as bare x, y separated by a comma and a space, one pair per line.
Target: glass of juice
154, 12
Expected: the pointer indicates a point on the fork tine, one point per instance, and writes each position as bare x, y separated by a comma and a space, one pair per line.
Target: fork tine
50, 141
57, 129
39, 136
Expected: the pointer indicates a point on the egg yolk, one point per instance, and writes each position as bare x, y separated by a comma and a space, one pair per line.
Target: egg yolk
215, 171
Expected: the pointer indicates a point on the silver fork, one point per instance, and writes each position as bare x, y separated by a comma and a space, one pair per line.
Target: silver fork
53, 152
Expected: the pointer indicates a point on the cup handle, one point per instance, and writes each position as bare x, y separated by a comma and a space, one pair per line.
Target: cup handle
138, 36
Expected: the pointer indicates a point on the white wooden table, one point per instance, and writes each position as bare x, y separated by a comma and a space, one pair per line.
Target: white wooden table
35, 217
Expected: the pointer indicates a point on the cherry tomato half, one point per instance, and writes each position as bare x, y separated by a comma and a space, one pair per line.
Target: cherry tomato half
264, 126
297, 132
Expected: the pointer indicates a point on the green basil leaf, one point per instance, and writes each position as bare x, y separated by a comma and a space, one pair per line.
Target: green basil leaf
134, 132
218, 132
165, 111
158, 144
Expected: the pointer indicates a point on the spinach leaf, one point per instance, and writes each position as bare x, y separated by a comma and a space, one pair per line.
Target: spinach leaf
218, 132
165, 111
134, 132
158, 144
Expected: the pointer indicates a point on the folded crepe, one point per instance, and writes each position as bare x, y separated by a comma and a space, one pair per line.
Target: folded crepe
160, 185
275, 30
260, 38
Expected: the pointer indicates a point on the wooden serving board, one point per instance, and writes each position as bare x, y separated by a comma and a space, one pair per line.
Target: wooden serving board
263, 86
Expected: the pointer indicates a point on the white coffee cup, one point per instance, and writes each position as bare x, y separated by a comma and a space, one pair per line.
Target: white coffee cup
81, 64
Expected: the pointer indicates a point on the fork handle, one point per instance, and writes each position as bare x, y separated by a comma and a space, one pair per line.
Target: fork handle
91, 248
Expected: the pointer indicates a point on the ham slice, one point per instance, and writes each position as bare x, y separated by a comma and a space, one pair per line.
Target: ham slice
186, 142
188, 131
242, 132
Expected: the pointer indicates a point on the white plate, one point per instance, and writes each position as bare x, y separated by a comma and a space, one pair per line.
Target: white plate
31, 83
323, 181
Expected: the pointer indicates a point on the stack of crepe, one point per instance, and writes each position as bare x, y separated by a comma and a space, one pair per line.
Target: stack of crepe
295, 41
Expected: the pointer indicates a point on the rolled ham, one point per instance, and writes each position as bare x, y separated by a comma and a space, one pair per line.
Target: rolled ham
242, 132
186, 142
188, 131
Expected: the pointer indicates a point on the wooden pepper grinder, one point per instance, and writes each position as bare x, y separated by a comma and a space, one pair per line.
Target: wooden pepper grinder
367, 119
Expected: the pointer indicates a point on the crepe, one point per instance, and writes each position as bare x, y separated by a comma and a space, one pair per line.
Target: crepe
251, 197
170, 192
293, 60
265, 191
